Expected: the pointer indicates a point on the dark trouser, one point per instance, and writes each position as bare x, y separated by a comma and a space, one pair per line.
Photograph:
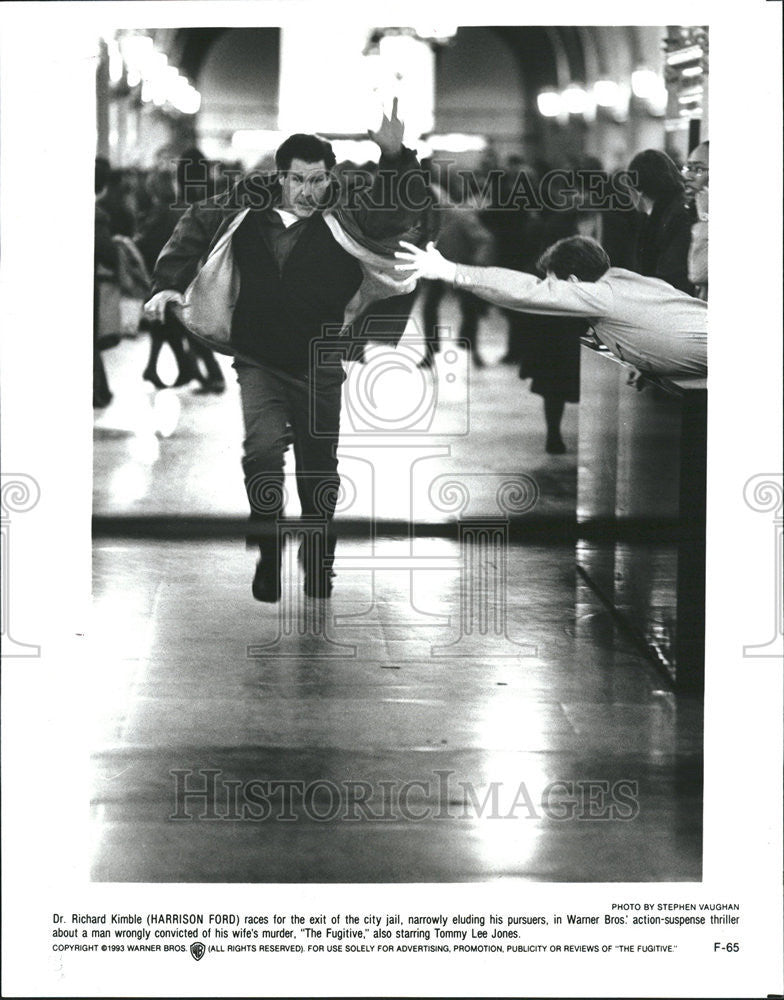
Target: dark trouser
279, 409
518, 324
202, 353
471, 310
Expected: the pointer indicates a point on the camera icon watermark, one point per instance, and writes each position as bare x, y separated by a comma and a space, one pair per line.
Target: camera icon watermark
471, 574
391, 393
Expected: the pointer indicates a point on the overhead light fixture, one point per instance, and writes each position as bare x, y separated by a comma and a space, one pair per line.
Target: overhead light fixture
116, 66
136, 50
161, 84
684, 55
650, 87
606, 93
645, 83
549, 104
575, 99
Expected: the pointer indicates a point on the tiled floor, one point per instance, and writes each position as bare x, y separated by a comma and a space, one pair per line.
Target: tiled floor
450, 715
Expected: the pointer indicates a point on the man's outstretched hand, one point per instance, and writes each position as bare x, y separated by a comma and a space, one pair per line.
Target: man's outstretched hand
389, 135
427, 263
155, 309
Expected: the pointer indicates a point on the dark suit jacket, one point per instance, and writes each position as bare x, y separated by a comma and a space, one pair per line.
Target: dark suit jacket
663, 243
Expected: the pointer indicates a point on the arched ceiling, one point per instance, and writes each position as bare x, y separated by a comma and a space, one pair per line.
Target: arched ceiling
546, 56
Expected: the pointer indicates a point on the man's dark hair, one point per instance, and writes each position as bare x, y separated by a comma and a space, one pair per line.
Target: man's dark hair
657, 175
577, 255
301, 146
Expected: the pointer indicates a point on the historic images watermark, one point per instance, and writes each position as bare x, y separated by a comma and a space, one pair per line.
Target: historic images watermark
355, 188
19, 493
765, 493
207, 794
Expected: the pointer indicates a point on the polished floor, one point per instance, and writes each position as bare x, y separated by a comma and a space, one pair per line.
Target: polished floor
462, 709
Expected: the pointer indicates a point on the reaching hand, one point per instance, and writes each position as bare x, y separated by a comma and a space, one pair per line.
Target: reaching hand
155, 309
390, 133
427, 263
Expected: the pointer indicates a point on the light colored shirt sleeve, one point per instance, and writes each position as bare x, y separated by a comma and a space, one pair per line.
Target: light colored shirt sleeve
698, 254
527, 293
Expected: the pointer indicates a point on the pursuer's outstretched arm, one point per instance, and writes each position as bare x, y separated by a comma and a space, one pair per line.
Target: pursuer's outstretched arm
510, 289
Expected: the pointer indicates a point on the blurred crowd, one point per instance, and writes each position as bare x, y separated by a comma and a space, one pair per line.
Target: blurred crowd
135, 214
651, 218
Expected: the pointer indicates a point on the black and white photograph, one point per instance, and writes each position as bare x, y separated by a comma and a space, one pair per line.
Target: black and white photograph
396, 504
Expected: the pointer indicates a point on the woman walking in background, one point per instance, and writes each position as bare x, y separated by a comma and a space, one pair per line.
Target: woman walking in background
549, 346
156, 228
665, 232
194, 183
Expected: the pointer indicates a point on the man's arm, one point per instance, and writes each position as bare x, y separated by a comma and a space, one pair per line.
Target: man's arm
511, 289
399, 193
178, 262
527, 293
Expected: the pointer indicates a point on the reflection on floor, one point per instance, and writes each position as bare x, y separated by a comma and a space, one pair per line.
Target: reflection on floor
454, 712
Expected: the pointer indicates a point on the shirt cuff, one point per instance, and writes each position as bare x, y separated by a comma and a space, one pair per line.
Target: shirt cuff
459, 277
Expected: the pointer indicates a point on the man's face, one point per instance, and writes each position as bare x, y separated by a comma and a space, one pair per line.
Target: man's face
305, 187
695, 171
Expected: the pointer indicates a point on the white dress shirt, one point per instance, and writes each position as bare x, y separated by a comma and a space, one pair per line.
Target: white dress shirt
644, 321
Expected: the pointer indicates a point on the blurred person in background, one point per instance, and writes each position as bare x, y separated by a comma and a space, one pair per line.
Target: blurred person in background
695, 173
196, 179
513, 224
548, 347
154, 231
462, 237
193, 181
119, 204
664, 236
104, 269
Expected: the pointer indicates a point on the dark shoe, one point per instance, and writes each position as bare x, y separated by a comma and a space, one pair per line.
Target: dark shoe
427, 362
189, 372
152, 376
555, 446
107, 340
477, 361
266, 581
101, 400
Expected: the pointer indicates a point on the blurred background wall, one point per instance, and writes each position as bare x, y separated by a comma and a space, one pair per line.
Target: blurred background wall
478, 94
